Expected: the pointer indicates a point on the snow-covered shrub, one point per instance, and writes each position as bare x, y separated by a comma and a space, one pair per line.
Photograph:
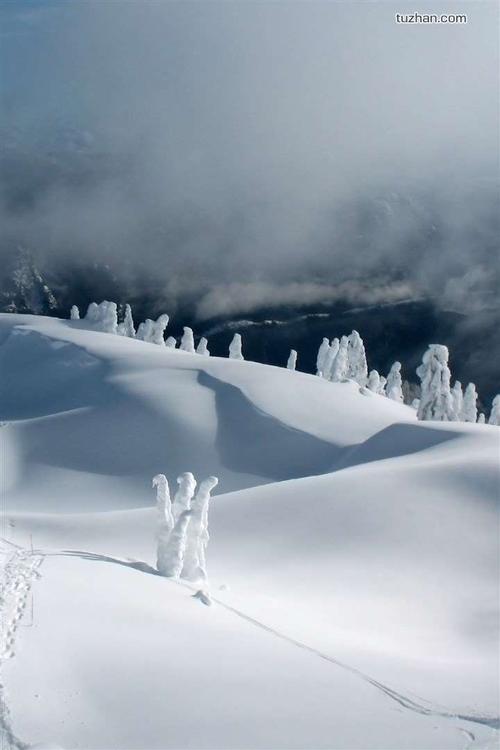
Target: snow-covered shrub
495, 411
104, 317
330, 358
235, 347
340, 363
436, 402
415, 403
202, 347
74, 313
292, 360
381, 387
197, 535
357, 368
321, 356
171, 559
184, 494
458, 400
481, 418
394, 385
373, 383
187, 340
469, 408
171, 342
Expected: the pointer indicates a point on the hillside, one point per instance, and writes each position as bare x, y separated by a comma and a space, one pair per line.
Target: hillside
352, 556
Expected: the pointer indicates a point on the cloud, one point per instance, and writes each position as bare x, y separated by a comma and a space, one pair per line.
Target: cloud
300, 146
240, 298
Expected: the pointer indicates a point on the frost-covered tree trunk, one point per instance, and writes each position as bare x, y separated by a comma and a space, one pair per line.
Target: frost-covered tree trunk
321, 356
159, 326
187, 340
394, 385
340, 363
171, 342
373, 383
202, 347
165, 522
292, 360
184, 494
436, 402
495, 411
74, 313
458, 400
469, 408
330, 358
235, 347
171, 560
197, 538
357, 368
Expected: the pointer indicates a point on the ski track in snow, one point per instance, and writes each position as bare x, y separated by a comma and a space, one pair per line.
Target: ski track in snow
420, 706
18, 572
21, 569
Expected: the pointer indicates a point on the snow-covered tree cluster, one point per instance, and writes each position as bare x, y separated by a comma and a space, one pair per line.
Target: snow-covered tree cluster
104, 317
434, 399
336, 361
182, 527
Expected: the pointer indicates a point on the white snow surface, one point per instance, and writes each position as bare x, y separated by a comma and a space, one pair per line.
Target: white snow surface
353, 556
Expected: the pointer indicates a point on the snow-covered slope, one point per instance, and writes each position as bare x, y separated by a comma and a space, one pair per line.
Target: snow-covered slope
353, 556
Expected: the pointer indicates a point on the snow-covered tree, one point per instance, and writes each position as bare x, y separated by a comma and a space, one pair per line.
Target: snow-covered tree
381, 387
184, 494
495, 411
171, 342
202, 347
187, 340
165, 522
170, 559
469, 408
145, 330
481, 418
373, 383
104, 317
292, 360
436, 402
235, 347
197, 537
159, 329
321, 356
128, 323
74, 313
126, 327
330, 358
356, 358
340, 363
394, 385
458, 400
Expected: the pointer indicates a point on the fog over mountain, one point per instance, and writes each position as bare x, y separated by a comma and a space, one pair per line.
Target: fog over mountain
243, 153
